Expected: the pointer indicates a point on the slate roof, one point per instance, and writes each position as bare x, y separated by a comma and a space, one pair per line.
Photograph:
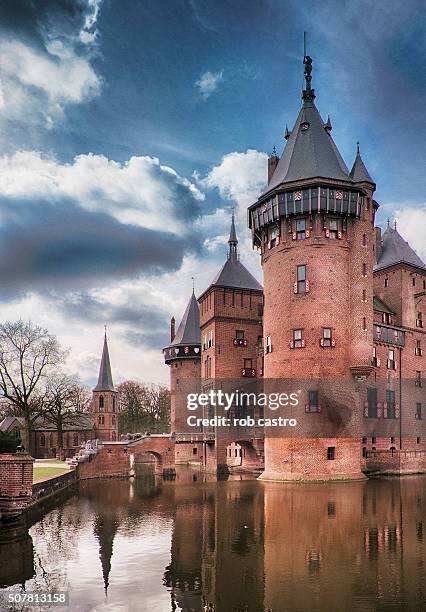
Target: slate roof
396, 250
379, 305
359, 173
105, 382
309, 153
234, 274
189, 331
80, 421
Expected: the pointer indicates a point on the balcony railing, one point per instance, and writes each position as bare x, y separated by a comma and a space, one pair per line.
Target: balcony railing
388, 335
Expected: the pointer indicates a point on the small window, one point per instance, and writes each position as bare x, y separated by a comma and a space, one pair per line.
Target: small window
268, 344
364, 440
418, 440
392, 440
301, 279
364, 295
333, 228
298, 340
331, 453
210, 341
386, 318
376, 360
390, 404
113, 403
418, 381
239, 334
419, 320
313, 401
364, 324
391, 360
372, 403
364, 240
327, 336
418, 410
386, 283
418, 349
273, 237
414, 281
300, 229
42, 440
194, 451
373, 440
248, 364
364, 269
101, 402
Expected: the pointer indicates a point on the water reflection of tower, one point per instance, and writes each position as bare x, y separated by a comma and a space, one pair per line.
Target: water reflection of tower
183, 575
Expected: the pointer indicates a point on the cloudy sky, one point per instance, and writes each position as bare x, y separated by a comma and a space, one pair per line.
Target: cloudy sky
129, 131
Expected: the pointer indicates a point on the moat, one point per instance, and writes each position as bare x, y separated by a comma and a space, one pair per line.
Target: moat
195, 543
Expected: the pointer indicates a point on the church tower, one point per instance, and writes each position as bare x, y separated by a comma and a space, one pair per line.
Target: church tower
314, 227
104, 400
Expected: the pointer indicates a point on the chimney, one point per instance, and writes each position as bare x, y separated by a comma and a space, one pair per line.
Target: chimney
378, 233
172, 328
272, 163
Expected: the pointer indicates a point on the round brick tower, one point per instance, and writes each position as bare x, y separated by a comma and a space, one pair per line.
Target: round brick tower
314, 227
183, 355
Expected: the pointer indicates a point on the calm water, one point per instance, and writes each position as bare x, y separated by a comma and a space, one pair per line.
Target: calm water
236, 545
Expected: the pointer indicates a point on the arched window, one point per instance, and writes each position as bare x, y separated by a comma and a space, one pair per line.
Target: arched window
101, 402
42, 440
113, 419
113, 404
76, 439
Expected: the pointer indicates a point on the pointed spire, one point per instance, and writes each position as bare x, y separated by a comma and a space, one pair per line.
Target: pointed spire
105, 382
188, 331
274, 152
105, 527
287, 133
233, 240
328, 127
359, 173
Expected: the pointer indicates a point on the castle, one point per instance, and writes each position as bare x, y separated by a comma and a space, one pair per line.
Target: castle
341, 304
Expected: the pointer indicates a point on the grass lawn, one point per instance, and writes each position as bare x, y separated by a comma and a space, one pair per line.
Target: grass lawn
47, 461
44, 473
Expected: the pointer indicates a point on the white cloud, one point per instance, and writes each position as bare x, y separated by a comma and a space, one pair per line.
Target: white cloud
208, 83
39, 81
411, 220
140, 192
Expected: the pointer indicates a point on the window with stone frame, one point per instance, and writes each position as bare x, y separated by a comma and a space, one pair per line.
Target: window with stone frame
298, 339
391, 364
301, 229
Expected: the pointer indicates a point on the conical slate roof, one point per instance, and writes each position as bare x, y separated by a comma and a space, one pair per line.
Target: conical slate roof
396, 250
310, 151
105, 377
233, 273
359, 173
189, 328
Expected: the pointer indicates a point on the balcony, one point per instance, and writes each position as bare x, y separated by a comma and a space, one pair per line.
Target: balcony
388, 335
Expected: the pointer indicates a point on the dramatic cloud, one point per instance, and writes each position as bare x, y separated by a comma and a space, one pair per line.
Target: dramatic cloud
208, 83
71, 225
46, 50
239, 176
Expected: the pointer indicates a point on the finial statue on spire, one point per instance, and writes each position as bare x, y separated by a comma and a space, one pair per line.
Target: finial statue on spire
233, 240
308, 93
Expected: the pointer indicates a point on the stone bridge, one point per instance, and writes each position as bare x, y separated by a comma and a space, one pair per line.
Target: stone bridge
119, 458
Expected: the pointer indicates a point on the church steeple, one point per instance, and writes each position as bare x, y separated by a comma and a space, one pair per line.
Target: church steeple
105, 382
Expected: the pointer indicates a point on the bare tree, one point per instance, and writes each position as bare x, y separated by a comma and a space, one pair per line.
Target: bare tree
143, 406
66, 399
28, 354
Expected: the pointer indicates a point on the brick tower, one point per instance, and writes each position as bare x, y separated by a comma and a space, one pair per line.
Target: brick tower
231, 332
104, 400
183, 355
314, 226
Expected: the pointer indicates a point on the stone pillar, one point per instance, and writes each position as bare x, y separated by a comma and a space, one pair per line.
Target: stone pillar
16, 483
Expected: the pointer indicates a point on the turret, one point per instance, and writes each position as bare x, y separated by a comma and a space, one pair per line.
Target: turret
314, 228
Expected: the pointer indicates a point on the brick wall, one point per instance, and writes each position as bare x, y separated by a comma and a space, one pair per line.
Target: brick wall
111, 460
16, 480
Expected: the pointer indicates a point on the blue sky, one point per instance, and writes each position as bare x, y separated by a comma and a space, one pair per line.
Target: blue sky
130, 129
